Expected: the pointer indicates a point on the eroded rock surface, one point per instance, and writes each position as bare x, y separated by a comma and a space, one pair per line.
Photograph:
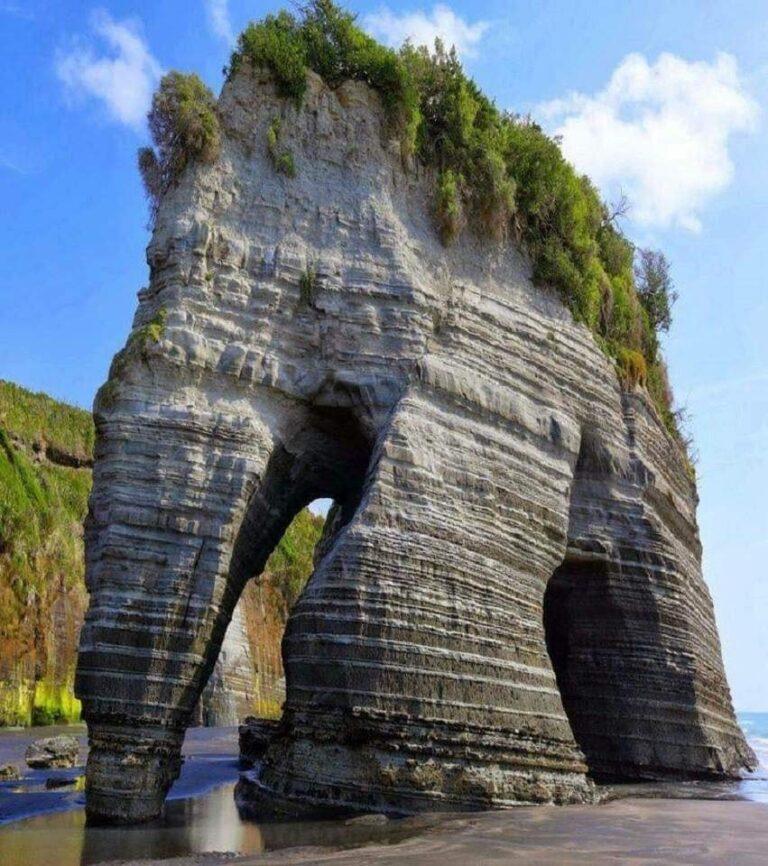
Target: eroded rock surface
254, 736
53, 753
318, 341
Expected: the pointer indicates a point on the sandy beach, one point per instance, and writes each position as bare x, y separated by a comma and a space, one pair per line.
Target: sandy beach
627, 832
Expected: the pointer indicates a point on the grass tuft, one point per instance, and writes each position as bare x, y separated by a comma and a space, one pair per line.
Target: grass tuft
282, 159
141, 338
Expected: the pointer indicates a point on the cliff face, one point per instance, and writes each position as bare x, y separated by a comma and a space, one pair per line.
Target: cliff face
510, 592
45, 454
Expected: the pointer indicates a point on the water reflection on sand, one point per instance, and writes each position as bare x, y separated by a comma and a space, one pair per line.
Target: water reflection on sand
209, 823
202, 816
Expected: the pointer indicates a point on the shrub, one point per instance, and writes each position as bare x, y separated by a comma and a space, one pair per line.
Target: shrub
285, 164
655, 288
559, 217
449, 211
631, 367
282, 160
273, 136
616, 252
184, 126
460, 131
275, 44
328, 41
308, 285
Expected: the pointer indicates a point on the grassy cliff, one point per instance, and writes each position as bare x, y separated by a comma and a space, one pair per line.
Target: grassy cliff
267, 602
45, 452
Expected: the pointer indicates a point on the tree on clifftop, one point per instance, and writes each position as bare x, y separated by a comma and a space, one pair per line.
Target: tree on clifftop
655, 289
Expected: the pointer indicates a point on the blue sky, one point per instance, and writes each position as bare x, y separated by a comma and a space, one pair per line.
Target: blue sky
665, 101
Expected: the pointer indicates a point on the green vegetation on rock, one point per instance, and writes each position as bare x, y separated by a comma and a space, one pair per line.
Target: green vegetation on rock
449, 210
43, 502
152, 332
326, 40
39, 421
291, 562
308, 285
497, 174
184, 126
282, 159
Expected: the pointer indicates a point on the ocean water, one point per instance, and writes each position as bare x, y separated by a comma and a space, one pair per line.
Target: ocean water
755, 727
755, 785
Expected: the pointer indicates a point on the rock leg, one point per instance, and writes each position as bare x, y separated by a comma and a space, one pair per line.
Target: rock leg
164, 574
631, 629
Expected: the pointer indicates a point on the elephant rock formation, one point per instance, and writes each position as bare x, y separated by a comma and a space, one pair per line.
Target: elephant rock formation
509, 592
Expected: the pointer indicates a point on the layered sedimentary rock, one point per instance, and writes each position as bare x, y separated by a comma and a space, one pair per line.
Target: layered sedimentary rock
229, 694
508, 593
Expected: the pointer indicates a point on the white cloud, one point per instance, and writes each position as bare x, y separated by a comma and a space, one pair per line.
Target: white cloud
16, 10
11, 165
218, 18
123, 77
660, 132
423, 28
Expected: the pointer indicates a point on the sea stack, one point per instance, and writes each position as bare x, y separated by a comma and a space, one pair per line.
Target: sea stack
508, 601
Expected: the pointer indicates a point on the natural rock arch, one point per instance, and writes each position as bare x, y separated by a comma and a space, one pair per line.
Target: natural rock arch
315, 339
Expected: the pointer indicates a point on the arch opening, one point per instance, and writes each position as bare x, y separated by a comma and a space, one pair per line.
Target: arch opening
248, 677
310, 490
579, 616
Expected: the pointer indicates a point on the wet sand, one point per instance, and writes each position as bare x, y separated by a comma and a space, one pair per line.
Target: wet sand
619, 833
210, 760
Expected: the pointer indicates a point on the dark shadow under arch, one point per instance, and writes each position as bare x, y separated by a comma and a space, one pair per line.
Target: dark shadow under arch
618, 637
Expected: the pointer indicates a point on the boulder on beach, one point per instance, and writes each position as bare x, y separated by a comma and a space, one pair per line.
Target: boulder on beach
9, 773
54, 782
53, 752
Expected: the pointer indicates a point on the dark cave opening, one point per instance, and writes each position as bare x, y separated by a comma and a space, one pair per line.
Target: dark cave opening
579, 618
